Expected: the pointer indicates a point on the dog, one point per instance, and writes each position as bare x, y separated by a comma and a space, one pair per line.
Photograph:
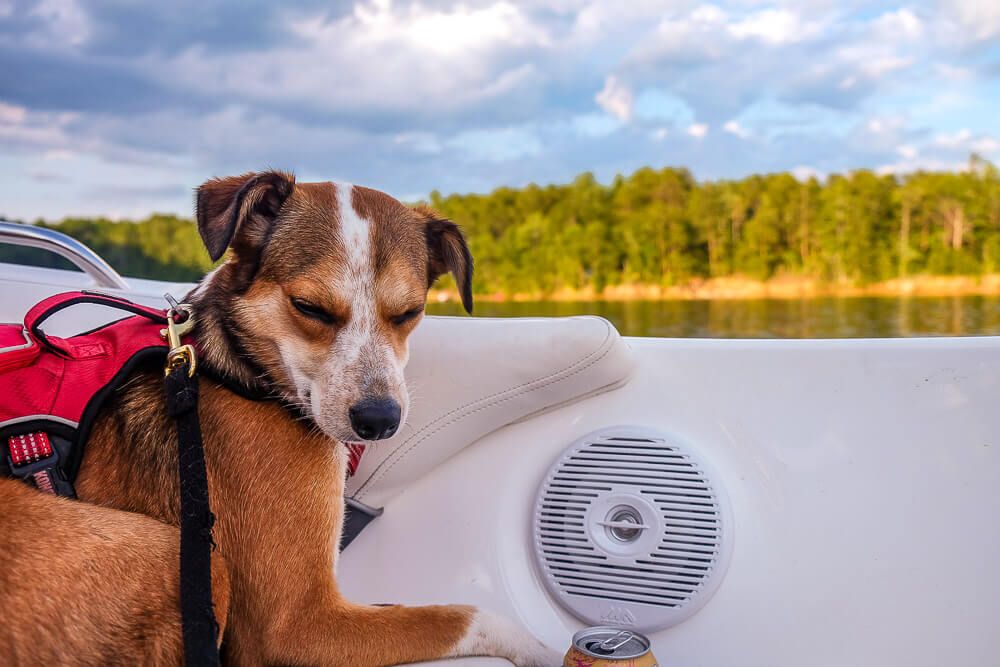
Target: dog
323, 285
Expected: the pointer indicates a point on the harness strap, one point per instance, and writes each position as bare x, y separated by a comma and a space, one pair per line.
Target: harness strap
200, 629
46, 308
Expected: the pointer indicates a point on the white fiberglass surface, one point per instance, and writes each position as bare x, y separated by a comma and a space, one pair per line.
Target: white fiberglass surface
863, 477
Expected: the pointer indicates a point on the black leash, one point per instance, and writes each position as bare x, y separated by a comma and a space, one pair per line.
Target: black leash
199, 627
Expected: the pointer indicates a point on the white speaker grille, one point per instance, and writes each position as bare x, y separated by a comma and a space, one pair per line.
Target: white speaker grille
630, 529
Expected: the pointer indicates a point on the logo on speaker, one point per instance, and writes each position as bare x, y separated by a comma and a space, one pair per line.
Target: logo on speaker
618, 616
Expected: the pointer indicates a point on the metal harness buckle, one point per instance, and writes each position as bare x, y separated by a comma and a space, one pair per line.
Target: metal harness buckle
180, 322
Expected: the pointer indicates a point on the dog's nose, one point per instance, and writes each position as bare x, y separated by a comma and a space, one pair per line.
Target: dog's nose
375, 418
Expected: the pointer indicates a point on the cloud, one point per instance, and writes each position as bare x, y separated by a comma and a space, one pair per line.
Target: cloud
733, 127
415, 95
901, 23
773, 26
697, 130
980, 18
805, 173
616, 98
381, 56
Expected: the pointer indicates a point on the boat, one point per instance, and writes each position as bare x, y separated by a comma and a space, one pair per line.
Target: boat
740, 502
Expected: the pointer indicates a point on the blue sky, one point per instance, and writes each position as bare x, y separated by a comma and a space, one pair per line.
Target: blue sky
122, 108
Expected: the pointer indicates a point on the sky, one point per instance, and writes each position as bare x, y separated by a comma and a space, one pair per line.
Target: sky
119, 108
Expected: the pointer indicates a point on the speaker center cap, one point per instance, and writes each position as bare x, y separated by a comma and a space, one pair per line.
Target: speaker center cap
624, 524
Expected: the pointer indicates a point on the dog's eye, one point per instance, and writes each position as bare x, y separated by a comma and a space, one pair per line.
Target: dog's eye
403, 318
314, 312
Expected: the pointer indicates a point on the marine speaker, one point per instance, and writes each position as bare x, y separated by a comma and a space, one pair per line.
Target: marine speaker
631, 529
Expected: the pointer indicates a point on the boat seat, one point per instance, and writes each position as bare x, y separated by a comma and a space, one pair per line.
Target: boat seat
471, 376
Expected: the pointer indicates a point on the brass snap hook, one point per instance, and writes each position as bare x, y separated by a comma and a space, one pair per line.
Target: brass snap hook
180, 322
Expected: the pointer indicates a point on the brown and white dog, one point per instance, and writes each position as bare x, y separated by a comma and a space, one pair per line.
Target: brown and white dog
323, 286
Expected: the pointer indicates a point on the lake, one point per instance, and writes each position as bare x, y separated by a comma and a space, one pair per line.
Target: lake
851, 317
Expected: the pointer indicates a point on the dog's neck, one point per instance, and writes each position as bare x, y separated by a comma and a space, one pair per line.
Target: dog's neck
218, 338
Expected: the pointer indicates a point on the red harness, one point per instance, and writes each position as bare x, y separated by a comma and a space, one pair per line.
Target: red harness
53, 388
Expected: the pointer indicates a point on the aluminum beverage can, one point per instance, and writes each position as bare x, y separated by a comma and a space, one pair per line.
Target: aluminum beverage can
605, 646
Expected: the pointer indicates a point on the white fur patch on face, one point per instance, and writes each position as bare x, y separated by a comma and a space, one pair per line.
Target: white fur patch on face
493, 635
359, 279
363, 362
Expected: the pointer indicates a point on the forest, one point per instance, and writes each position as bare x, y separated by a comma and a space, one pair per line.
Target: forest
661, 227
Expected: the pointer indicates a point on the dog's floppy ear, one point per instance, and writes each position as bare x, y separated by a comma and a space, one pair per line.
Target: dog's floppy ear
244, 204
447, 252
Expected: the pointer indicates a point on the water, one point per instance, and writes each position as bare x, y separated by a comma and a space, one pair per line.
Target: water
853, 317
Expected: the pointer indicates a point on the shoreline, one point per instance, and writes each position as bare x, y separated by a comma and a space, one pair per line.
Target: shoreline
737, 288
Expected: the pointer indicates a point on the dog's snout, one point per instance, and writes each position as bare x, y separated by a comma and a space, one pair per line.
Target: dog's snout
375, 418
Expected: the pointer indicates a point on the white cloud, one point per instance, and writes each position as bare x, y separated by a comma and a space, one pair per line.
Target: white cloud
986, 146
616, 98
979, 18
907, 166
694, 36
901, 23
381, 56
879, 67
964, 142
954, 140
773, 26
698, 130
458, 31
11, 114
660, 133
733, 127
709, 14
907, 151
885, 124
804, 173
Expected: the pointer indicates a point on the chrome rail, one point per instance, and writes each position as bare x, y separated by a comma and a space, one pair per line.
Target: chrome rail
85, 259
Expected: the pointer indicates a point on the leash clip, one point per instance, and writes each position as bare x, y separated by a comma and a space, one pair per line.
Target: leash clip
180, 322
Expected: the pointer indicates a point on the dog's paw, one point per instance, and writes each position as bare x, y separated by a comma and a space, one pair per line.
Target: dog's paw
494, 635
537, 655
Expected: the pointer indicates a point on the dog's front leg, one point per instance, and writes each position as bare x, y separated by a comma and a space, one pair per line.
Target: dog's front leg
279, 525
373, 636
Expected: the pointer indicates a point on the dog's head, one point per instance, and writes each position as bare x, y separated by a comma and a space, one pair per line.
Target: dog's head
324, 285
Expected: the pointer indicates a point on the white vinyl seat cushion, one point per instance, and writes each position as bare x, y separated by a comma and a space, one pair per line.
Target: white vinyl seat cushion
470, 376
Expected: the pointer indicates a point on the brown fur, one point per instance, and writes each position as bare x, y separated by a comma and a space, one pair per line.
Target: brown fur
95, 581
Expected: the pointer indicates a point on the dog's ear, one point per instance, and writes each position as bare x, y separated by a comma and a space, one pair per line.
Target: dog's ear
240, 207
447, 252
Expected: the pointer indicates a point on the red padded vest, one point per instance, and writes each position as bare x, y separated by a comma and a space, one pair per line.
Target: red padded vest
51, 389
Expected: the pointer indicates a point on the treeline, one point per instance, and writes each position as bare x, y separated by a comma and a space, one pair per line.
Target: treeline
662, 227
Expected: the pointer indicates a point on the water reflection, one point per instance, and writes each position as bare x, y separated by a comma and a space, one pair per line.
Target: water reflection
856, 317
